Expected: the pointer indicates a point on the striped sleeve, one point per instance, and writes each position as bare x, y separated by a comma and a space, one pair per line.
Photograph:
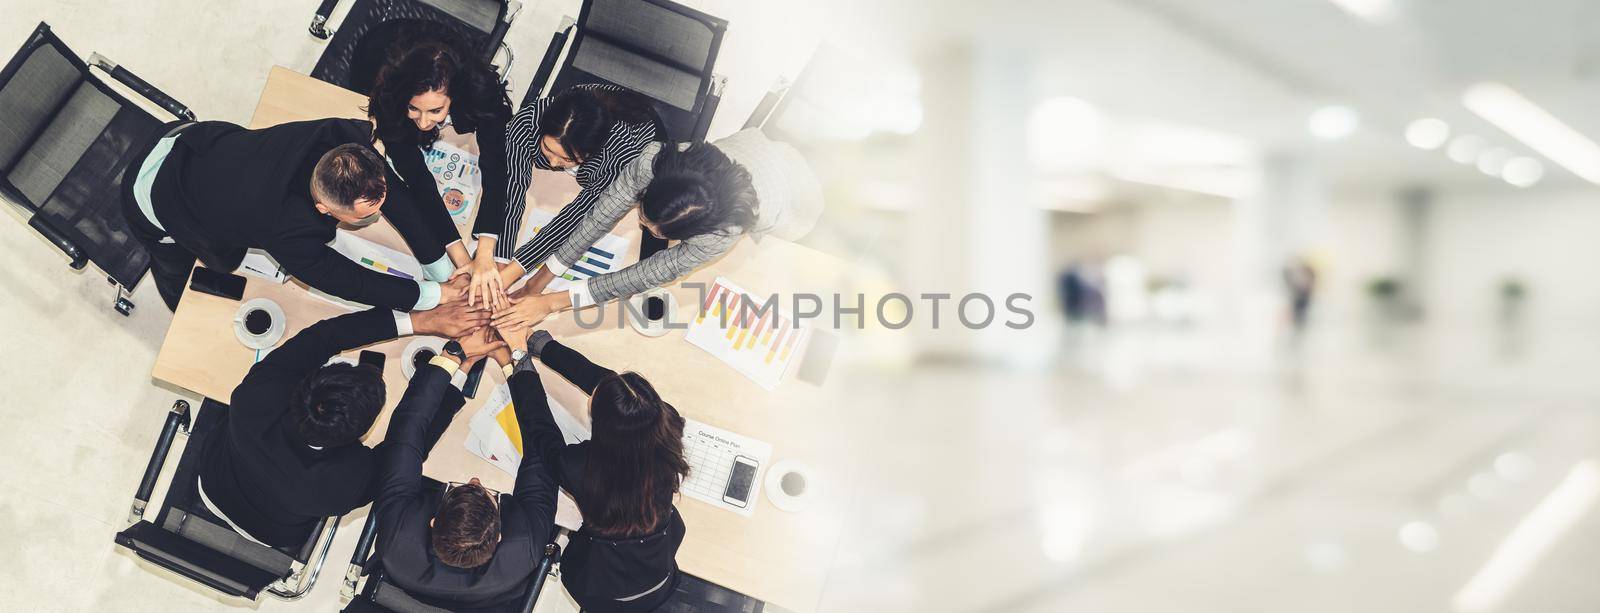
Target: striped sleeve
623, 145
522, 145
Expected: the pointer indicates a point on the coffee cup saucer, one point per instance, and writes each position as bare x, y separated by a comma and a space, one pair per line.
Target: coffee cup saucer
792, 503
636, 311
274, 332
408, 356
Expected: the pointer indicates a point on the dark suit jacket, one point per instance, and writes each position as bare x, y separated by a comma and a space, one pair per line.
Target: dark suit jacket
258, 471
597, 569
527, 516
225, 189
413, 169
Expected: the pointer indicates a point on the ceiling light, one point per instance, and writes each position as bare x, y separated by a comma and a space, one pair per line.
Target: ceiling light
1370, 10
1419, 536
1522, 172
1427, 133
1333, 122
1493, 161
1464, 149
1535, 127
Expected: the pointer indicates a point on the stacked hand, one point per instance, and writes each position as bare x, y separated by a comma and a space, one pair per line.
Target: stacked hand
479, 343
455, 288
450, 320
522, 313
484, 282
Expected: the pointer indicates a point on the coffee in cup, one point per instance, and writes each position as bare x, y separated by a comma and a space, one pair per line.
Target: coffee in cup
257, 321
421, 358
793, 484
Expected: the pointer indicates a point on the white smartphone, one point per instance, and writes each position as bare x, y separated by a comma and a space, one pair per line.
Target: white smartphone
740, 481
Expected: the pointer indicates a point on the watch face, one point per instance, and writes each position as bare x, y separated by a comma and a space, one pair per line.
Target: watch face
454, 348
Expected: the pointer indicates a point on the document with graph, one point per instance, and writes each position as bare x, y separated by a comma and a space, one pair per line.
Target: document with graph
496, 437
604, 256
459, 179
731, 325
725, 468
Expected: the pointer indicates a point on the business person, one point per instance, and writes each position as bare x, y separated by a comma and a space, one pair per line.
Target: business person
211, 190
429, 81
469, 546
287, 451
591, 131
624, 479
705, 196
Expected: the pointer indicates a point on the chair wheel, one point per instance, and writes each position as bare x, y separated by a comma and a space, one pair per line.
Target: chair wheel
124, 306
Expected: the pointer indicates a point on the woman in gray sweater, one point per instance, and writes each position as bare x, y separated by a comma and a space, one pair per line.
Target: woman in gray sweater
704, 196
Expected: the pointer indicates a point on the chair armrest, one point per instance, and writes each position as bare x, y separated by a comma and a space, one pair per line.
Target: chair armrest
552, 553
358, 560
142, 87
768, 102
319, 20
548, 63
302, 581
702, 124
177, 418
60, 240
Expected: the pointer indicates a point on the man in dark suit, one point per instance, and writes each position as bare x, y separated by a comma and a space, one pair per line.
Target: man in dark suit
211, 190
288, 450
469, 546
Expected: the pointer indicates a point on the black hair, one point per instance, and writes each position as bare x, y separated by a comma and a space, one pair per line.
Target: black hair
698, 190
635, 458
348, 173
581, 117
336, 404
427, 57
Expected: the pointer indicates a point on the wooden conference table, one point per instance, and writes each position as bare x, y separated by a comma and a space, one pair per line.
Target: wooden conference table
776, 556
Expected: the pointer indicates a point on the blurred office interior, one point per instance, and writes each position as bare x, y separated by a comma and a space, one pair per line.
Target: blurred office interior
1313, 301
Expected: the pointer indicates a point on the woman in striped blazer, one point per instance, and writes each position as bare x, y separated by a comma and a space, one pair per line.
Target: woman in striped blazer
590, 131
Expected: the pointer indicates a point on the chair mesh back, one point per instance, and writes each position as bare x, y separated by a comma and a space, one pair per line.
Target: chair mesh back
351, 60
31, 97
42, 167
618, 66
653, 29
481, 15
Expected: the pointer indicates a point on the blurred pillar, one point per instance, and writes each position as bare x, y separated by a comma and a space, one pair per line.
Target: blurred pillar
974, 230
1285, 219
1416, 207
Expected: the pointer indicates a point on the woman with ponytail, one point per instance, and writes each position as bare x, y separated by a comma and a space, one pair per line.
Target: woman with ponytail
623, 478
704, 196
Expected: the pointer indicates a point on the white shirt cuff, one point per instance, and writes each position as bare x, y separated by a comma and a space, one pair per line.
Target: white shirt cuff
402, 324
579, 291
459, 379
555, 266
508, 369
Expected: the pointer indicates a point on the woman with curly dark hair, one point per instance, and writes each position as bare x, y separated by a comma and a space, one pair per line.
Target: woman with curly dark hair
430, 80
704, 196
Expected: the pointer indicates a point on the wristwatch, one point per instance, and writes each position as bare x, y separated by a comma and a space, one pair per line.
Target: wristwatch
453, 349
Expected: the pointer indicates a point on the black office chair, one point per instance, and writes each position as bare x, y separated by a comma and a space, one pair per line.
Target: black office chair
65, 138
658, 48
189, 540
378, 595
356, 51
